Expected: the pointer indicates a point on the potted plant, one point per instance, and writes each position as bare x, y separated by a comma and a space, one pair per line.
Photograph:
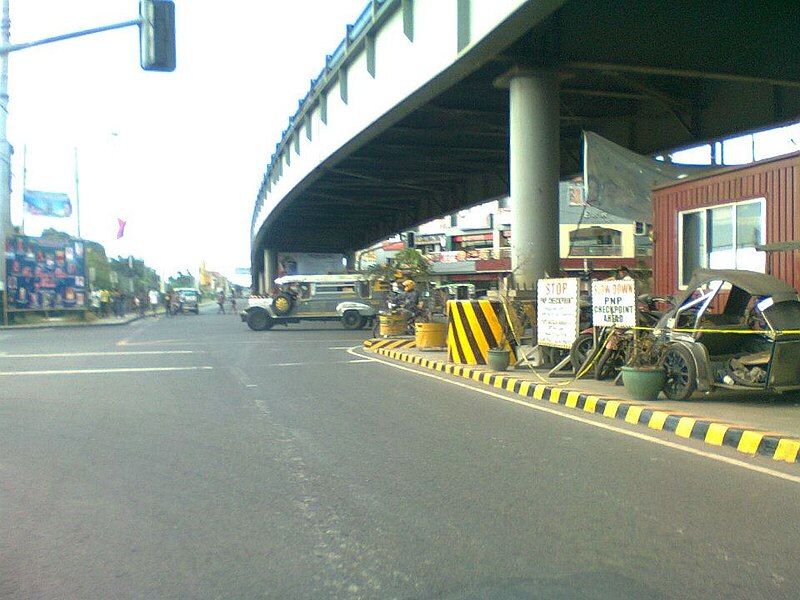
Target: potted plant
498, 356
642, 375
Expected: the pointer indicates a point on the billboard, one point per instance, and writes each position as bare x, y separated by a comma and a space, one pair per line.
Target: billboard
45, 274
309, 263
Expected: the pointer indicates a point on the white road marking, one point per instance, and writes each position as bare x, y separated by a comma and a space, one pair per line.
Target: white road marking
102, 371
127, 342
70, 354
340, 348
281, 344
333, 362
634, 434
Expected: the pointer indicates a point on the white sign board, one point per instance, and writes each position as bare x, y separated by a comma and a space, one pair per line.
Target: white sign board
614, 303
557, 313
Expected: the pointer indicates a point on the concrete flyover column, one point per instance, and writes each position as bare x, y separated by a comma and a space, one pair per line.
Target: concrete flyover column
350, 258
534, 174
270, 269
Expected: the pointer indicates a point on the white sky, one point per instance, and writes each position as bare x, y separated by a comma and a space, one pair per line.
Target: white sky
178, 155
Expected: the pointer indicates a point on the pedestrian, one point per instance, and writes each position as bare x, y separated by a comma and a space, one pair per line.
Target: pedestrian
176, 306
168, 303
115, 302
622, 274
152, 297
123, 299
105, 301
221, 302
233, 303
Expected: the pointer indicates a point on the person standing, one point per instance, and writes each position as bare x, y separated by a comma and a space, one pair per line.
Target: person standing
122, 306
105, 301
221, 303
152, 296
168, 303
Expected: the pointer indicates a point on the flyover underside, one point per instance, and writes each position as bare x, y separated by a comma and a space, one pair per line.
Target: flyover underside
648, 75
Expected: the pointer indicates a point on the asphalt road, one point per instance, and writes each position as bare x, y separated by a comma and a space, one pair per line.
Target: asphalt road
193, 458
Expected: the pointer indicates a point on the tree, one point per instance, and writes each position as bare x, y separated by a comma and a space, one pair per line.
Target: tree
181, 280
410, 261
97, 267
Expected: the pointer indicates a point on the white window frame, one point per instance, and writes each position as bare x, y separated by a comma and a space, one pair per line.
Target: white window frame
704, 212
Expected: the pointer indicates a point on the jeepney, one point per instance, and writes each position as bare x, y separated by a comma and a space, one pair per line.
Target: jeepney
349, 299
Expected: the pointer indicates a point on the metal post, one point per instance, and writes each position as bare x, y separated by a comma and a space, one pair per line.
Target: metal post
534, 173
5, 148
24, 182
77, 194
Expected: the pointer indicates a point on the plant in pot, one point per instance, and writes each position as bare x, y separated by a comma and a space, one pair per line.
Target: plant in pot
642, 375
498, 356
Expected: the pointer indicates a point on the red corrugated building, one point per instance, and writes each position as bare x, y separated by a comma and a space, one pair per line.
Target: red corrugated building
716, 221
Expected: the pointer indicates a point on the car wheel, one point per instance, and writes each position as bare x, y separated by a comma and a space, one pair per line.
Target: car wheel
580, 350
259, 320
351, 319
282, 304
681, 372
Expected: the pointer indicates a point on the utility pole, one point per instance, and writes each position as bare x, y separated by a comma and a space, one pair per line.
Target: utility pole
5, 147
77, 193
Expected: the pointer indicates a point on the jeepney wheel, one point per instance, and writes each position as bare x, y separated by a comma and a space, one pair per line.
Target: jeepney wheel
580, 350
259, 320
282, 304
352, 320
681, 381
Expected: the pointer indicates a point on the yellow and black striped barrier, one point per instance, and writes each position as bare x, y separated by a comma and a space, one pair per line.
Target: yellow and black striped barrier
474, 326
390, 343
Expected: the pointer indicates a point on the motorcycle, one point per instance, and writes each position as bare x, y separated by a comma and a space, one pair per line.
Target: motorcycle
615, 346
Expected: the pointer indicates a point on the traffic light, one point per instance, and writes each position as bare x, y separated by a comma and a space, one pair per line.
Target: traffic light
410, 239
157, 35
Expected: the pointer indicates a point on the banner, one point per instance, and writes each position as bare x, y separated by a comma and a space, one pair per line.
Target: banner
614, 303
619, 181
44, 274
309, 263
558, 313
47, 204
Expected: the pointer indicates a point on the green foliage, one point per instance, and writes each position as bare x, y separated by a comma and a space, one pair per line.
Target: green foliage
132, 274
97, 265
181, 280
411, 261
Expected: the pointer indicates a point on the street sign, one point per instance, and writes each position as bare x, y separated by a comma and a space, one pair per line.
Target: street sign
614, 303
558, 313
242, 270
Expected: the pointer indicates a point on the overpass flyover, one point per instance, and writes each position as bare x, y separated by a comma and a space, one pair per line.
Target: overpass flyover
430, 106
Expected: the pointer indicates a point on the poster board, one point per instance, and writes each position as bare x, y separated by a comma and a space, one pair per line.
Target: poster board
309, 263
558, 312
44, 274
614, 303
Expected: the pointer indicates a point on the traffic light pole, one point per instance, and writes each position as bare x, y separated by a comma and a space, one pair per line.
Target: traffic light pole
6, 48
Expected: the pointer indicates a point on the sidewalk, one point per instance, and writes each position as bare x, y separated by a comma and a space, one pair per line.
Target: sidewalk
746, 421
61, 322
